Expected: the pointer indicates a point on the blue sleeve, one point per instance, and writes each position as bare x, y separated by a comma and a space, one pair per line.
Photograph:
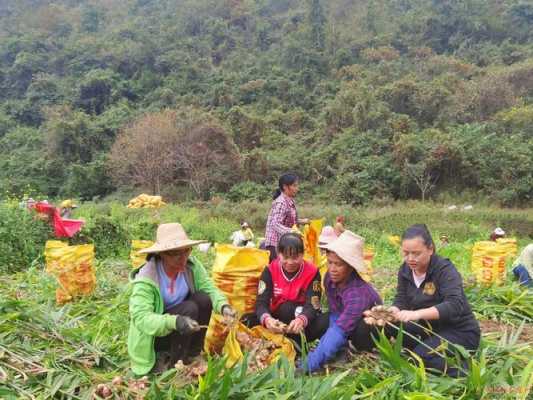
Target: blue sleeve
330, 343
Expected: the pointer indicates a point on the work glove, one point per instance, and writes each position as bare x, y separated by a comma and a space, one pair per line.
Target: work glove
228, 313
186, 325
329, 344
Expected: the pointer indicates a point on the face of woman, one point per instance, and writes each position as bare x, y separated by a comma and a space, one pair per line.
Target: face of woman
291, 263
339, 270
291, 190
416, 254
175, 260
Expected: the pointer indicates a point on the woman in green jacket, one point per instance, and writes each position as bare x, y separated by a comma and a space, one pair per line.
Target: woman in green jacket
172, 299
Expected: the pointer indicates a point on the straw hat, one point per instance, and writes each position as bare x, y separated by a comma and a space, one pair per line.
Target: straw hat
349, 247
68, 204
327, 235
171, 237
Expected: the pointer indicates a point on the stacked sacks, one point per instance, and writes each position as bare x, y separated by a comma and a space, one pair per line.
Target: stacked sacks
146, 201
236, 272
489, 259
509, 246
137, 259
73, 268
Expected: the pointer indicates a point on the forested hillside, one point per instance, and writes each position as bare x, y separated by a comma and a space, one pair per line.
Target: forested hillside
365, 99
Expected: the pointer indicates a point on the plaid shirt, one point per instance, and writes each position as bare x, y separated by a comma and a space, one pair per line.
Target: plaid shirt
350, 301
281, 218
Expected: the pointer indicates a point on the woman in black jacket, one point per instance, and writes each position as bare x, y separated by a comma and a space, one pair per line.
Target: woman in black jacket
430, 293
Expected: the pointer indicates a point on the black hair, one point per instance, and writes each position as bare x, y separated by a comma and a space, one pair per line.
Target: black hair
291, 244
284, 180
419, 231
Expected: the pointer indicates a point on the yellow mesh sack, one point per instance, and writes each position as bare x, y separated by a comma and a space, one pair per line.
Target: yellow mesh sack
232, 348
310, 233
236, 272
73, 268
489, 260
137, 259
394, 240
146, 201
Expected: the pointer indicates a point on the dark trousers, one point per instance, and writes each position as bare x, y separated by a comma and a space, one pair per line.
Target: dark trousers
198, 307
521, 273
361, 336
469, 339
286, 313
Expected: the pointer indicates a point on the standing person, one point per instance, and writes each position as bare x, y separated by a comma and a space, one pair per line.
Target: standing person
349, 296
288, 295
172, 296
430, 293
282, 216
243, 237
66, 207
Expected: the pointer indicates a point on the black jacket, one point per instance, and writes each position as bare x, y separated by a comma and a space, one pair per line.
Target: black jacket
443, 289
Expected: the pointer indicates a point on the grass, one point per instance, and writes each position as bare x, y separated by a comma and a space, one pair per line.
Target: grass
51, 352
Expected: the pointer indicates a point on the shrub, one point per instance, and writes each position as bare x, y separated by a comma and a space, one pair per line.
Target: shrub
22, 237
248, 191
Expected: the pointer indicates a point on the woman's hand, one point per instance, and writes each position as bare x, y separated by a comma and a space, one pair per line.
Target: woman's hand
229, 314
303, 221
274, 325
296, 326
407, 315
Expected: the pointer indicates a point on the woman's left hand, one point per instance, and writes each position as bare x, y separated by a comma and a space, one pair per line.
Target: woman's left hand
407, 315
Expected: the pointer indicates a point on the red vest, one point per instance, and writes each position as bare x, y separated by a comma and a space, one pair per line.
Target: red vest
290, 290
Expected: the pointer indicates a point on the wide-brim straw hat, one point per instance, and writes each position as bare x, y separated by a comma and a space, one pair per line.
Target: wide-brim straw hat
171, 237
327, 235
350, 248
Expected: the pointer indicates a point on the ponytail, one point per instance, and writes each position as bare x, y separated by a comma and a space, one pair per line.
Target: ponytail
276, 194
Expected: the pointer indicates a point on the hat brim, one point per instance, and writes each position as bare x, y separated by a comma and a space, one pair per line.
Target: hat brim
357, 263
160, 248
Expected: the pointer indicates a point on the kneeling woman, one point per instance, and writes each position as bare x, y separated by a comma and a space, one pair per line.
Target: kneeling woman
430, 292
288, 297
172, 296
348, 297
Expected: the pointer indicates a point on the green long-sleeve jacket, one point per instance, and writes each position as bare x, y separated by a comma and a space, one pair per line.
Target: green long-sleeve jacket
147, 319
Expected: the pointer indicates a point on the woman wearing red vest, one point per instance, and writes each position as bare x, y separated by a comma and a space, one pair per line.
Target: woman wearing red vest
288, 296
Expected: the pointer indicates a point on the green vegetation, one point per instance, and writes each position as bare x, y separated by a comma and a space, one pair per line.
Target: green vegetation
366, 100
55, 352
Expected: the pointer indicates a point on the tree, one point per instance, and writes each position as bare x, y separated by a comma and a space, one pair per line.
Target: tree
143, 154
186, 145
317, 20
206, 159
421, 174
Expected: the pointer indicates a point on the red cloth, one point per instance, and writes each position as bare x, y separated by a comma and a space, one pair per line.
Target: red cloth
293, 289
62, 227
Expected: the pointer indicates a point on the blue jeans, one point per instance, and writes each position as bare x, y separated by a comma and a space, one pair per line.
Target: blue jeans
520, 272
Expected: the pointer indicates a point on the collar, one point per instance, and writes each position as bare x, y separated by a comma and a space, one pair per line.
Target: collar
287, 199
296, 275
